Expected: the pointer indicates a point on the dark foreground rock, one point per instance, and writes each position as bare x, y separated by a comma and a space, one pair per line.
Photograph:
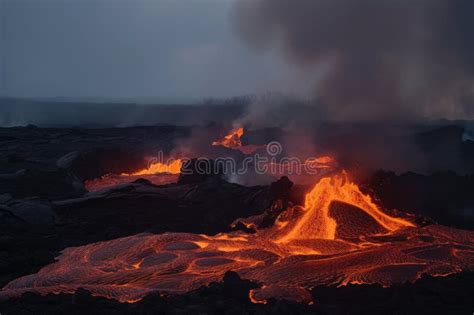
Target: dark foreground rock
208, 207
27, 236
445, 197
449, 295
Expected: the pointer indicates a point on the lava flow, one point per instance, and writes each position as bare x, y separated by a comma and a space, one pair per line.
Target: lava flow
173, 167
233, 141
157, 173
339, 237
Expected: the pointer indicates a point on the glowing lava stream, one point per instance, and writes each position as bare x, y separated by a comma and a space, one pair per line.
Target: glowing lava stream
339, 237
316, 222
233, 141
157, 173
173, 167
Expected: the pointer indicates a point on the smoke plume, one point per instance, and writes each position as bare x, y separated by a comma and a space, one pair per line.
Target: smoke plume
384, 59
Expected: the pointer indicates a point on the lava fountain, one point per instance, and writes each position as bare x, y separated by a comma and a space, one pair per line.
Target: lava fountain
233, 141
339, 237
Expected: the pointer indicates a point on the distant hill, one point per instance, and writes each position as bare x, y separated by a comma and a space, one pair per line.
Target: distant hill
21, 112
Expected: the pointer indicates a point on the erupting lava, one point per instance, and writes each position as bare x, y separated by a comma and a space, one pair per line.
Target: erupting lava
339, 236
316, 222
173, 167
233, 141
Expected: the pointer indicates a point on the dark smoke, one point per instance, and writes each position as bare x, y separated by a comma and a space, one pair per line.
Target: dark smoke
387, 59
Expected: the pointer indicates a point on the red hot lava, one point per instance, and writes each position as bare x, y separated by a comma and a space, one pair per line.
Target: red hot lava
233, 141
158, 173
339, 237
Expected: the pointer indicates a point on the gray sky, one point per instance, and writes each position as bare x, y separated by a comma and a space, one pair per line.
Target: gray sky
129, 49
380, 58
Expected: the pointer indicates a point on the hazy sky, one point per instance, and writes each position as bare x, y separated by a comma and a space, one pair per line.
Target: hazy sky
129, 49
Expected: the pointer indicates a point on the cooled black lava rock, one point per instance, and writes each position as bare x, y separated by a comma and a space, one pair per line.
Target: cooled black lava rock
445, 197
444, 295
198, 170
209, 207
27, 237
41, 181
280, 192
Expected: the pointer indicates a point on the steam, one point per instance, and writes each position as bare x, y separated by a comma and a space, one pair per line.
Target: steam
399, 59
277, 110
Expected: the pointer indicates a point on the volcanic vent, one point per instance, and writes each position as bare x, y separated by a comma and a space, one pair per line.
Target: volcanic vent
339, 236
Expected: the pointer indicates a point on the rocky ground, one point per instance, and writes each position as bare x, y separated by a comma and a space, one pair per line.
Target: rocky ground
450, 295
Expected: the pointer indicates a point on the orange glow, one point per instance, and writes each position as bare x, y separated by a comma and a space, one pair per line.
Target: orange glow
325, 159
254, 300
316, 223
232, 140
174, 167
340, 236
156, 173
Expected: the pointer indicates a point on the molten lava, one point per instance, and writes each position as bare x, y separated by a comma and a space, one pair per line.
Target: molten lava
157, 173
173, 167
316, 221
233, 141
339, 237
